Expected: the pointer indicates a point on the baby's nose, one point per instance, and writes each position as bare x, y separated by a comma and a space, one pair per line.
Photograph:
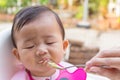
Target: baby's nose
41, 52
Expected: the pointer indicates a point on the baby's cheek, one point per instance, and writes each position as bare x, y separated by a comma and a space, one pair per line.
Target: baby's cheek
59, 59
28, 61
30, 65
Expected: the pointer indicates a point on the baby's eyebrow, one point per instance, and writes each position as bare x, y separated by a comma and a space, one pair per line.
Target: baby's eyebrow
49, 36
29, 39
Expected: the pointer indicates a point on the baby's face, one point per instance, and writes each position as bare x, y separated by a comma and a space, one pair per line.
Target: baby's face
39, 42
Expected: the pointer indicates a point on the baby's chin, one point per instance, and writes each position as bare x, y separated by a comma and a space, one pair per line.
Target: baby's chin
44, 72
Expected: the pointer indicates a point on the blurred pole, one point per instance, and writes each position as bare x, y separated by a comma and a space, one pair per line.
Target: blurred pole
118, 8
85, 13
84, 23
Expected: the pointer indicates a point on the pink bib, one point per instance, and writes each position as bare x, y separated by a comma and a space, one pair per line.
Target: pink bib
78, 74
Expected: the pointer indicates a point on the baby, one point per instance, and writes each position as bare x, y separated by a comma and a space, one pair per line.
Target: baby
38, 37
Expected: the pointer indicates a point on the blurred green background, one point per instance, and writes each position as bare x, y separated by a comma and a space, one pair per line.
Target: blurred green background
105, 12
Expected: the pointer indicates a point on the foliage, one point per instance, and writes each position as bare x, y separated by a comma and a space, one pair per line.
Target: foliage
93, 6
43, 2
3, 3
7, 3
25, 2
96, 5
103, 3
118, 20
79, 13
11, 3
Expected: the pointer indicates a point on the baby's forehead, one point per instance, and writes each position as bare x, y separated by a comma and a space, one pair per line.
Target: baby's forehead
46, 14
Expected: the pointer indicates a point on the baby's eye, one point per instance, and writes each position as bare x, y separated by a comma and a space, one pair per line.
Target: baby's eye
29, 47
50, 43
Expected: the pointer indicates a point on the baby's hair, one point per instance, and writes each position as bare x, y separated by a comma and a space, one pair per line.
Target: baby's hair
29, 14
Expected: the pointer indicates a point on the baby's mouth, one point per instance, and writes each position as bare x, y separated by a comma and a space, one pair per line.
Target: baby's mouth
43, 61
50, 63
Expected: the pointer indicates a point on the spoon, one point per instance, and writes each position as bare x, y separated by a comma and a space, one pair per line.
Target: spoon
54, 65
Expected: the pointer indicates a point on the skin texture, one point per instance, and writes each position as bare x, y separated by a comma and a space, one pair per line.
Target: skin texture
38, 42
109, 58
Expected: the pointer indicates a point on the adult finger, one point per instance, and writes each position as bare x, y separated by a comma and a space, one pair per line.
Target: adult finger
108, 53
104, 62
106, 72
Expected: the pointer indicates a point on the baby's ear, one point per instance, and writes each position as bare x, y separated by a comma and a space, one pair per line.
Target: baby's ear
65, 44
16, 53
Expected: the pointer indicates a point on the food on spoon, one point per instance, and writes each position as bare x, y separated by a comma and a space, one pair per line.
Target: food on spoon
54, 65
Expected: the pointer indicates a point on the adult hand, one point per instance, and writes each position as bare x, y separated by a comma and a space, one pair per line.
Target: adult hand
106, 63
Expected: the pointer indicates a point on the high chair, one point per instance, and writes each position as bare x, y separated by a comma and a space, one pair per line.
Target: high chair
7, 60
